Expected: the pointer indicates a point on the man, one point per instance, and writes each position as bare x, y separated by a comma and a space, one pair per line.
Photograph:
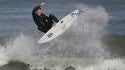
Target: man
43, 22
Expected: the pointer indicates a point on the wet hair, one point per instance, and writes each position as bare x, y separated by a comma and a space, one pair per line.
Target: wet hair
38, 9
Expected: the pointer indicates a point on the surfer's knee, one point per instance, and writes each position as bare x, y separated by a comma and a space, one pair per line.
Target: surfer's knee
53, 17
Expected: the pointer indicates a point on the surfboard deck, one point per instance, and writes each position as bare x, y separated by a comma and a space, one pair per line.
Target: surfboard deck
60, 27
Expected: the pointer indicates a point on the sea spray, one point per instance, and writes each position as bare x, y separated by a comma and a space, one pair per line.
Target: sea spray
80, 46
83, 39
4, 59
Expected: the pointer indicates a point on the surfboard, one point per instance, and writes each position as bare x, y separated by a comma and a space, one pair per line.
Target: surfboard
60, 27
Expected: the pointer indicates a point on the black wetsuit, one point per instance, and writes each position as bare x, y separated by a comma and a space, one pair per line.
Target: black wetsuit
43, 22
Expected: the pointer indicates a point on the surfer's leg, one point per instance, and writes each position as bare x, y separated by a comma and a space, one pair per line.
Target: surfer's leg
51, 16
42, 30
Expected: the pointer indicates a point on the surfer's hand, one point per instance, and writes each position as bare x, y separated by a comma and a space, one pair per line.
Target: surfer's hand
41, 4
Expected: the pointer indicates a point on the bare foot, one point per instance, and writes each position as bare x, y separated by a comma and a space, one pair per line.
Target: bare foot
54, 24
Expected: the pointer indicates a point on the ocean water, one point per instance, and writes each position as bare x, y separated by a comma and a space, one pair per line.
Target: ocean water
95, 41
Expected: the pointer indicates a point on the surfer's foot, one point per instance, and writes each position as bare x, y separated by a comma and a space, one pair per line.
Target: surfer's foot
54, 24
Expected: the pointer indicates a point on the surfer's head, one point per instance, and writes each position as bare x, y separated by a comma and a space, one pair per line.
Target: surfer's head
39, 12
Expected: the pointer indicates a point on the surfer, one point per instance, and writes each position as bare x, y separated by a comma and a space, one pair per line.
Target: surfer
43, 22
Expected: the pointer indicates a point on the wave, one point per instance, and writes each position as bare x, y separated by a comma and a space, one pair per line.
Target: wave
80, 46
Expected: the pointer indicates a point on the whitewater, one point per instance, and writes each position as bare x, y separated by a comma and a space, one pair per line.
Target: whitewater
81, 46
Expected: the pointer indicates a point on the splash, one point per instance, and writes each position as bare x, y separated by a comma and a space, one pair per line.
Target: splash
3, 57
83, 39
81, 46
114, 64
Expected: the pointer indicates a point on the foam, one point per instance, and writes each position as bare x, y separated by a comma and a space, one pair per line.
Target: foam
3, 57
81, 46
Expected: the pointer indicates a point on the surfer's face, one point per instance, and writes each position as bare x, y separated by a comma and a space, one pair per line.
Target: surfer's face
39, 12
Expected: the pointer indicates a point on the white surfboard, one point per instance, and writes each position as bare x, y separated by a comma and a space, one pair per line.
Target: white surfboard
60, 27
